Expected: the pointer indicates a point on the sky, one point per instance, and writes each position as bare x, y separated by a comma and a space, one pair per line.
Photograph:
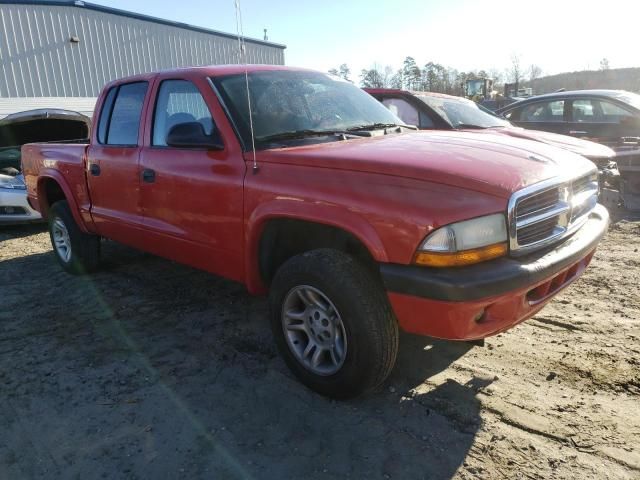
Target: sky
558, 35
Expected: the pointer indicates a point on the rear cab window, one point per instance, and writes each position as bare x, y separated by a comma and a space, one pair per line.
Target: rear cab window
119, 121
403, 110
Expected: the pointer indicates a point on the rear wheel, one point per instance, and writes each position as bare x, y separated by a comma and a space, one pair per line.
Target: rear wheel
333, 324
77, 252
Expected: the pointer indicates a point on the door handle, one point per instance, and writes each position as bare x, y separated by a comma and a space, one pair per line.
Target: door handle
148, 175
94, 169
577, 132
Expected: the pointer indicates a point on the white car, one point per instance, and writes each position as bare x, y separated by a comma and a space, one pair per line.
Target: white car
14, 207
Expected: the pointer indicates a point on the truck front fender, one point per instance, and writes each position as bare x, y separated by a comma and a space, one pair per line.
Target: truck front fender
318, 213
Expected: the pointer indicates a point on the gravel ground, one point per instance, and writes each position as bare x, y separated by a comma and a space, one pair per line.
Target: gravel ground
149, 369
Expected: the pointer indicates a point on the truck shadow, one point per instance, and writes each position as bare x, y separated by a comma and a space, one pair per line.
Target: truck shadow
155, 369
23, 230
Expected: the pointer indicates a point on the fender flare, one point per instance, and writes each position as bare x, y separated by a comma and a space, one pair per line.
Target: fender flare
50, 174
320, 213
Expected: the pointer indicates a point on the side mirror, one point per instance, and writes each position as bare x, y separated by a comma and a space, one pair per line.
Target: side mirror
192, 135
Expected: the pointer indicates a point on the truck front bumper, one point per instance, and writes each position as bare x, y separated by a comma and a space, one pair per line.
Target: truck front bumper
474, 302
14, 207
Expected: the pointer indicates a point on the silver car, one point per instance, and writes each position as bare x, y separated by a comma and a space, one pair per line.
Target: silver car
14, 207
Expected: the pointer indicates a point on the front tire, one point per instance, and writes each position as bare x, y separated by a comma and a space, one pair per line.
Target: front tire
333, 324
77, 252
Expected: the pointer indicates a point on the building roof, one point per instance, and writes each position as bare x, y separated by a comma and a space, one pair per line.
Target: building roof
138, 16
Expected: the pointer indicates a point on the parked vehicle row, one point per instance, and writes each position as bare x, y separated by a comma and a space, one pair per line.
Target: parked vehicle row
306, 188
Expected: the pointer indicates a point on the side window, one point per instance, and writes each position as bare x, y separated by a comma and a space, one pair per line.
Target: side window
124, 122
403, 110
543, 112
612, 113
179, 101
583, 111
103, 123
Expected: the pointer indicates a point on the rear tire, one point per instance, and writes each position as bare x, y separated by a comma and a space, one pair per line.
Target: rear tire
77, 252
333, 324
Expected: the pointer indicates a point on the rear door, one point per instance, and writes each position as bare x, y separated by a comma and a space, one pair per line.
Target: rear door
192, 197
113, 169
603, 121
548, 115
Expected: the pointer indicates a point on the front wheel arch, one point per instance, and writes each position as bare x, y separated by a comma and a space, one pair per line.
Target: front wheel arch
277, 238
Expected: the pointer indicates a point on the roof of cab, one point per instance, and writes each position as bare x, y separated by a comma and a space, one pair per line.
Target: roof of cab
206, 70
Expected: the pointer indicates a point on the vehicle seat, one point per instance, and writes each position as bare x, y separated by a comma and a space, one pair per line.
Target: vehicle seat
178, 118
207, 124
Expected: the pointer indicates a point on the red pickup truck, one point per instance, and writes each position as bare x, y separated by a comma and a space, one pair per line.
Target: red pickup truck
303, 186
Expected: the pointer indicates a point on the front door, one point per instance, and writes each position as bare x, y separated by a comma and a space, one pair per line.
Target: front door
547, 115
191, 197
603, 121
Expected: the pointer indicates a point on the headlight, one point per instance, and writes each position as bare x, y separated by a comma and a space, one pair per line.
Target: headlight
464, 243
7, 181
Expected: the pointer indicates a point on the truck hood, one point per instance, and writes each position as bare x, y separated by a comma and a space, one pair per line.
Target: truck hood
490, 163
585, 148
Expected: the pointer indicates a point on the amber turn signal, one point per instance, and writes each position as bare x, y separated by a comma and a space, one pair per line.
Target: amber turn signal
459, 259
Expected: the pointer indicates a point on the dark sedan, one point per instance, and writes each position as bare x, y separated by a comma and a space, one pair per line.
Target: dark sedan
436, 111
610, 117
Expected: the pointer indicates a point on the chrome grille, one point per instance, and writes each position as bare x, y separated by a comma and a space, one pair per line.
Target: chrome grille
538, 202
537, 231
544, 213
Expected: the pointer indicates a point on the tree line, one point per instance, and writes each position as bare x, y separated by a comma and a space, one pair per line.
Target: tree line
434, 77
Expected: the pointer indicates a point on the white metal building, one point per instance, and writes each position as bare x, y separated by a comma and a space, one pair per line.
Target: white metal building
59, 54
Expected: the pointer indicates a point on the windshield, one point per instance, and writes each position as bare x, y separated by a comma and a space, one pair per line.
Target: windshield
462, 113
285, 101
632, 99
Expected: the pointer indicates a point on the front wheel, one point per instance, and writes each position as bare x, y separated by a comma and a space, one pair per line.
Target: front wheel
333, 324
77, 252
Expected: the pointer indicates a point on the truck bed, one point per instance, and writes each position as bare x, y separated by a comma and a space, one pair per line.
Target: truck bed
60, 161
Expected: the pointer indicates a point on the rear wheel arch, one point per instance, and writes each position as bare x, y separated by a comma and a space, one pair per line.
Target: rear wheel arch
49, 192
52, 190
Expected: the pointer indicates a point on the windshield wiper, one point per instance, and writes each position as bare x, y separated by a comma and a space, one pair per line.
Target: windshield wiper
470, 125
296, 134
379, 126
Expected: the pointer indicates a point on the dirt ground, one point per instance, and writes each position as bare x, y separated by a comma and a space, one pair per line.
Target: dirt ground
149, 369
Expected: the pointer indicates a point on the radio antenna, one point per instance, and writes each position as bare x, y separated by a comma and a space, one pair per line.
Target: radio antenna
242, 59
